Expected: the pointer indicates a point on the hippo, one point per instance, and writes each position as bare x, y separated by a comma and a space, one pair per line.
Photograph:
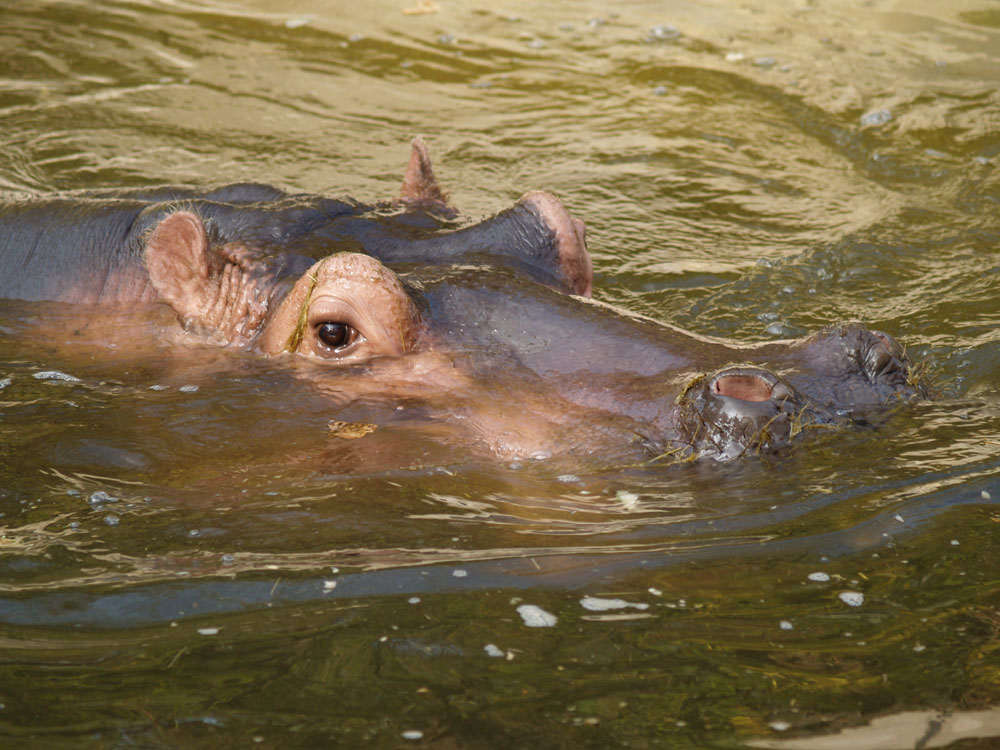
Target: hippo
488, 325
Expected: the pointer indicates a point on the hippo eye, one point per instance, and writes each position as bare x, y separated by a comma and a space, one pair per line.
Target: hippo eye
336, 335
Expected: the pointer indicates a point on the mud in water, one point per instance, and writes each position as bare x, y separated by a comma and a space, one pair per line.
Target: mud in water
191, 555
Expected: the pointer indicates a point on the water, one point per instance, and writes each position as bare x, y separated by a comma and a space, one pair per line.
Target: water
205, 567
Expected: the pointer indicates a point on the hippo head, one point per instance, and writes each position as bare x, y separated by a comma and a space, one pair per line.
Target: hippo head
491, 330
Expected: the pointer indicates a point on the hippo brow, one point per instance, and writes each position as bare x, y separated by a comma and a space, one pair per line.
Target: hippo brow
300, 327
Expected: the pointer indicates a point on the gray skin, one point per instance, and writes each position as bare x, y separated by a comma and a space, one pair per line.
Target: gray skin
490, 322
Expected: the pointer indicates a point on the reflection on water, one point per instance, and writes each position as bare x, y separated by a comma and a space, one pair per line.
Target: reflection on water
188, 558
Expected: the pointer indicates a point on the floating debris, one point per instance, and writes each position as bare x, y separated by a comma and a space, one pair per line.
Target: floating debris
536, 617
595, 604
627, 499
852, 598
55, 375
350, 430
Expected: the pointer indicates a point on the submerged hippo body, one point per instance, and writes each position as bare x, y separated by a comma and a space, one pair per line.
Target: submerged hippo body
489, 324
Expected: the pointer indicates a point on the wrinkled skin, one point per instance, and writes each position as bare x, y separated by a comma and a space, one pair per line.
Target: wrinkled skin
488, 326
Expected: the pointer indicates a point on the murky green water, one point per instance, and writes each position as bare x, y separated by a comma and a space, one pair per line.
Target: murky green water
751, 170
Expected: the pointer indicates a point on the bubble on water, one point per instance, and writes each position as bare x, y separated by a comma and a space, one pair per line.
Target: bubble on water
596, 604
664, 32
954, 542
193, 532
491, 650
158, 387
852, 598
459, 573
413, 600
536, 617
100, 497
786, 625
188, 388
329, 585
412, 734
55, 375
876, 117
112, 520
819, 577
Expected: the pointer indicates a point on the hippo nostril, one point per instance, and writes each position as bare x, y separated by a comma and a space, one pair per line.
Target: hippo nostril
742, 386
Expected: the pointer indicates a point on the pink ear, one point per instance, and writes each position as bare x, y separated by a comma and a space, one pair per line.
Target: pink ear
177, 259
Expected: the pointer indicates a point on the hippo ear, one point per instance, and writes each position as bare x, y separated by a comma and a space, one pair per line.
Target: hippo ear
419, 185
179, 263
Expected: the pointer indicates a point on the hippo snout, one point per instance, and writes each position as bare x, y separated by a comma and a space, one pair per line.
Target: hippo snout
742, 409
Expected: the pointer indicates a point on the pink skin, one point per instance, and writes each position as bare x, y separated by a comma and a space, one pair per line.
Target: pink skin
226, 294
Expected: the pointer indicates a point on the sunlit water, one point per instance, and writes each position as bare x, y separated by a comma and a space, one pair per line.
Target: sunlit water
189, 559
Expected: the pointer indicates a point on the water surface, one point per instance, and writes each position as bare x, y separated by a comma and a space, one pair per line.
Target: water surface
206, 567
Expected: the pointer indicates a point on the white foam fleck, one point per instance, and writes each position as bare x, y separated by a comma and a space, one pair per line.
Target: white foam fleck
596, 604
492, 650
852, 598
819, 576
536, 617
55, 375
208, 631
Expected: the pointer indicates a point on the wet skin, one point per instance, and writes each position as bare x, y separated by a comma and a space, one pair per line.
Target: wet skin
488, 325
